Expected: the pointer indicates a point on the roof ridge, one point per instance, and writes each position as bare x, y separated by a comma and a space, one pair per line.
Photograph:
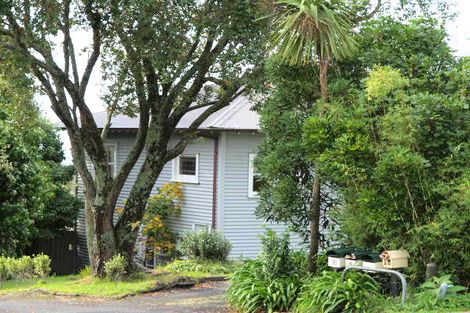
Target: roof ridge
224, 117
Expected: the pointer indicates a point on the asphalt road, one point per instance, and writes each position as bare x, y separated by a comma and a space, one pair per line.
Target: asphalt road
205, 298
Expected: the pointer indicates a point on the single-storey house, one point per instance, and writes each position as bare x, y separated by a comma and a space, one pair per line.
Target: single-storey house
220, 182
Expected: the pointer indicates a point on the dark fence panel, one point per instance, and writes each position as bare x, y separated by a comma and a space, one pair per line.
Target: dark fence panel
62, 251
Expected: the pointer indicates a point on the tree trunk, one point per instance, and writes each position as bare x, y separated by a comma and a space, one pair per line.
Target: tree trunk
100, 233
316, 199
315, 224
100, 237
324, 64
128, 225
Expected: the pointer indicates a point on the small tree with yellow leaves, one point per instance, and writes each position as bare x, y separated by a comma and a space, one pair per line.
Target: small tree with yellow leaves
167, 202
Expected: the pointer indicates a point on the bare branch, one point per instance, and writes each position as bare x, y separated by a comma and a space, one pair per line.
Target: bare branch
66, 31
107, 126
136, 67
73, 60
199, 80
229, 96
180, 146
205, 61
136, 151
202, 105
358, 19
218, 81
95, 21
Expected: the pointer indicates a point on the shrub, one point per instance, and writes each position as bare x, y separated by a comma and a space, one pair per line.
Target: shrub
271, 282
206, 245
42, 265
3, 269
275, 253
116, 268
85, 272
253, 290
22, 268
167, 202
202, 266
328, 293
428, 294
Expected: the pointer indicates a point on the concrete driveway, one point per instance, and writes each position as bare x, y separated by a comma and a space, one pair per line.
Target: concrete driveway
207, 297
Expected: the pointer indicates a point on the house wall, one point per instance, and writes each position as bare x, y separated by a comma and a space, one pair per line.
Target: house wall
197, 202
236, 209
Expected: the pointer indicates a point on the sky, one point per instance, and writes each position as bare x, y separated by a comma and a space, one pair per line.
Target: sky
459, 40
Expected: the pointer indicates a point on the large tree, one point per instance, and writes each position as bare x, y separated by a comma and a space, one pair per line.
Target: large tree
316, 32
161, 59
34, 202
399, 157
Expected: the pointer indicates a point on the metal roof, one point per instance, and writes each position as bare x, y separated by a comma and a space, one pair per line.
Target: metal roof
238, 115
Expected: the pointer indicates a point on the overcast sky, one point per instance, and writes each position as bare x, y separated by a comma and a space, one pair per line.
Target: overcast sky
459, 40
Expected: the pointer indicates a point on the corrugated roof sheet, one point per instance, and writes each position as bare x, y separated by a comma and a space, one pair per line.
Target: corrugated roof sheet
238, 115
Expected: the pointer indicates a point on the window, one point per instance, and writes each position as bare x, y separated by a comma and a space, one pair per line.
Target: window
111, 155
111, 151
254, 178
201, 227
186, 169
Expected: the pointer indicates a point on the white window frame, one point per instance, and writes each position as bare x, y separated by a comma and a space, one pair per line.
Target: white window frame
201, 227
251, 174
191, 179
113, 147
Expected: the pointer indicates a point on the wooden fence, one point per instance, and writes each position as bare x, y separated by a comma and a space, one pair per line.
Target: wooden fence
62, 251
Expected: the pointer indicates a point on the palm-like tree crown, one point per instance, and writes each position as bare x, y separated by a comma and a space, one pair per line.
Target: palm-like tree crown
309, 29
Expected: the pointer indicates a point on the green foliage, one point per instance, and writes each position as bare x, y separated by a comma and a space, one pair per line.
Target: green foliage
253, 290
272, 282
25, 267
202, 266
116, 268
307, 29
34, 202
275, 253
401, 166
424, 299
417, 48
4, 269
285, 170
157, 58
205, 245
429, 291
87, 271
383, 80
42, 265
328, 293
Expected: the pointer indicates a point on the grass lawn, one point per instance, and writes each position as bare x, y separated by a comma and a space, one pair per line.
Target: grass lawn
138, 283
75, 285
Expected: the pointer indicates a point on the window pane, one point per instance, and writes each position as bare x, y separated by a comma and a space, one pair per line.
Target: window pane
110, 155
256, 182
187, 165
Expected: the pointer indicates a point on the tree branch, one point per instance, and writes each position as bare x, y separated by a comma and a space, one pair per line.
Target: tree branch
180, 146
66, 30
358, 19
95, 21
223, 102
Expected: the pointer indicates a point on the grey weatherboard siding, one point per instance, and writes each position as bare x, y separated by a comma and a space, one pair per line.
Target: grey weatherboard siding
234, 132
237, 218
235, 214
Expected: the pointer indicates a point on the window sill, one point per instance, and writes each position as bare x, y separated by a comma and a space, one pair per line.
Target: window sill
194, 181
